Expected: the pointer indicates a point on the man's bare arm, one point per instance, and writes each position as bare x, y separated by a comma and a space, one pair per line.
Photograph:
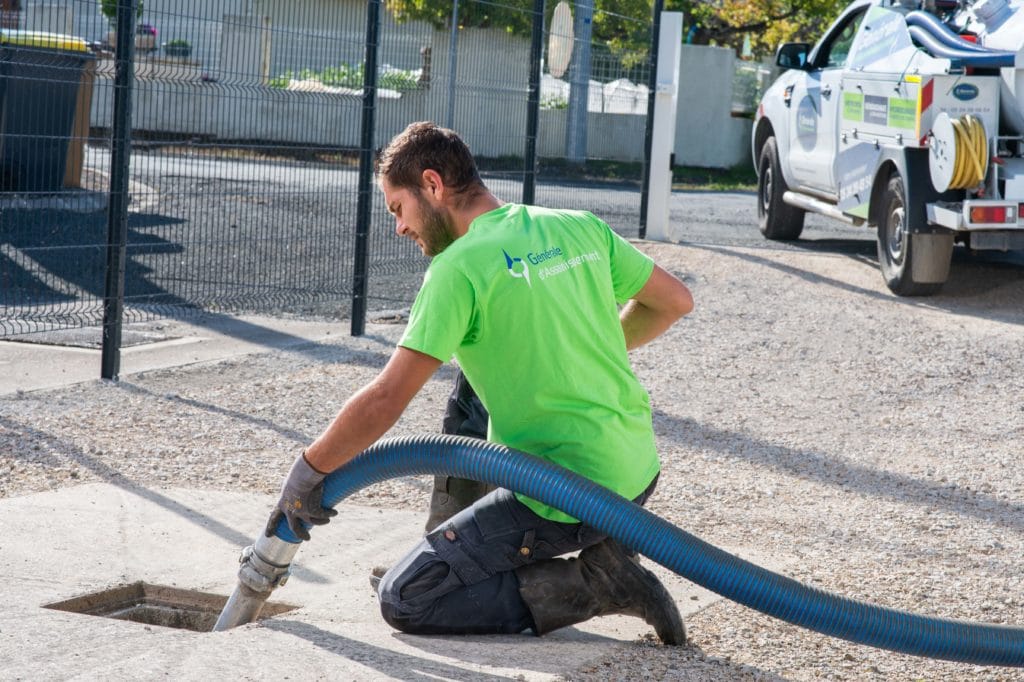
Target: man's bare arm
658, 304
374, 409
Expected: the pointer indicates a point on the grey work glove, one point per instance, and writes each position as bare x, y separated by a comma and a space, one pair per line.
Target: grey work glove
300, 503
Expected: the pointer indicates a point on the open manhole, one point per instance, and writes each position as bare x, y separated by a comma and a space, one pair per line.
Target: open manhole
159, 605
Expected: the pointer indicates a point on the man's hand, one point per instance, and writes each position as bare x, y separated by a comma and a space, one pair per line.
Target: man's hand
301, 498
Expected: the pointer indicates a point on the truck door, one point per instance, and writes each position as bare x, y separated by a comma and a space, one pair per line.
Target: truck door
816, 99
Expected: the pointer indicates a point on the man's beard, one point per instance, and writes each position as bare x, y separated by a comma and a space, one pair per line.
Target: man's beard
436, 232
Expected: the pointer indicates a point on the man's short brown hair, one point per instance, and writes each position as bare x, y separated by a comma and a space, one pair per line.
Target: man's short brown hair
426, 145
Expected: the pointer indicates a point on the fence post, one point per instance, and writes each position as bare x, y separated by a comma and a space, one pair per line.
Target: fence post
453, 63
659, 186
652, 86
579, 84
364, 207
533, 105
117, 207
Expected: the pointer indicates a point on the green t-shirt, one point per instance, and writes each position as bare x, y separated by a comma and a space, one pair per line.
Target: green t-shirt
527, 302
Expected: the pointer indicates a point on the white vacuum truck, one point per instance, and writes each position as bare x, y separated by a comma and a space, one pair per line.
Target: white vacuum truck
906, 118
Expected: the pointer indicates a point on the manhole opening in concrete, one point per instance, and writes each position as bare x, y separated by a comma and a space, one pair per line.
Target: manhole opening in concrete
159, 605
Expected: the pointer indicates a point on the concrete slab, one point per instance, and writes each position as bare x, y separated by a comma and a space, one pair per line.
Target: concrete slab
64, 544
72, 356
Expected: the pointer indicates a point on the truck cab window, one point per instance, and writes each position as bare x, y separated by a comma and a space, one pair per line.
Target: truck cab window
837, 51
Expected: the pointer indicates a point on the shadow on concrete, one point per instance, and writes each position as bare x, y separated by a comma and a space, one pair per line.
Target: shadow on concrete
495, 650
837, 472
388, 662
114, 477
244, 330
862, 250
486, 649
71, 248
53, 270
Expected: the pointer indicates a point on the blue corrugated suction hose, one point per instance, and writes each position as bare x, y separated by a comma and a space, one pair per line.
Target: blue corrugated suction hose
675, 549
944, 34
988, 59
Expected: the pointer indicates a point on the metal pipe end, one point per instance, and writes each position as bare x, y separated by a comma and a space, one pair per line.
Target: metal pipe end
243, 606
265, 566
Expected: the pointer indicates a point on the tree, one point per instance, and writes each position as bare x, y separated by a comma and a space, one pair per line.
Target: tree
767, 22
515, 16
109, 9
624, 25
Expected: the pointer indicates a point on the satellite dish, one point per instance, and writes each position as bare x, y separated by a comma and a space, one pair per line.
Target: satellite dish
560, 40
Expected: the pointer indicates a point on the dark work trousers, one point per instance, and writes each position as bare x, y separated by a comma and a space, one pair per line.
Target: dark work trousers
464, 415
460, 578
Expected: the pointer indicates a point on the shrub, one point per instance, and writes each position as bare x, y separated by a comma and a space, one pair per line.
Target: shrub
350, 76
553, 102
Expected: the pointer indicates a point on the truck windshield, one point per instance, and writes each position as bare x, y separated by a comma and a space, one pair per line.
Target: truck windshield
839, 49
884, 33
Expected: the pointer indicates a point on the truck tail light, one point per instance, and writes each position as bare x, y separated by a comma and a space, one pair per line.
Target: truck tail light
994, 214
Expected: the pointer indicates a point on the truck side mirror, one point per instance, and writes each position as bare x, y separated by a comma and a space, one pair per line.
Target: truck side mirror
793, 55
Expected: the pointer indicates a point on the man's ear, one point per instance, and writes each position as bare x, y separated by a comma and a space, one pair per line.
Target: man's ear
433, 184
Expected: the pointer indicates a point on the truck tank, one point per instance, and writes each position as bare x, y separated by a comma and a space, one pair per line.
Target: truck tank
999, 25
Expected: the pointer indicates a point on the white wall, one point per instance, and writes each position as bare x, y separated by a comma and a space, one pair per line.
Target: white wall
49, 18
707, 135
492, 70
197, 21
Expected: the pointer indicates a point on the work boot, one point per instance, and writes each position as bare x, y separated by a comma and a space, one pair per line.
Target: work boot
603, 581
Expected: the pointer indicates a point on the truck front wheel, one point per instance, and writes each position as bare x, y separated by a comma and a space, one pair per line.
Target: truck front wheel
912, 264
777, 219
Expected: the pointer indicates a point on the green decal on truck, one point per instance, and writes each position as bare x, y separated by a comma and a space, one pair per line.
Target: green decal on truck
902, 113
893, 112
853, 106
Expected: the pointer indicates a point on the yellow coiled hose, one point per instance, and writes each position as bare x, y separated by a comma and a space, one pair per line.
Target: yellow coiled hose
971, 155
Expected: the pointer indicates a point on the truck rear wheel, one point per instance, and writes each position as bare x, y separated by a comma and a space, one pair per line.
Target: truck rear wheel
912, 264
777, 219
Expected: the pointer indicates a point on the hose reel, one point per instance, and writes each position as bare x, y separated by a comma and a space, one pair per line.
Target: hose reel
958, 152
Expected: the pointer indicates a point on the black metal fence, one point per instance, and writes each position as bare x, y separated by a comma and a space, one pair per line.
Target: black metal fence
215, 154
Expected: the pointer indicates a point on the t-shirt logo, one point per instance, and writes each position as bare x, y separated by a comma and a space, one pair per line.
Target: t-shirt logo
517, 267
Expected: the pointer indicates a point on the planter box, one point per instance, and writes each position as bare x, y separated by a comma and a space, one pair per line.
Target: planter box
180, 51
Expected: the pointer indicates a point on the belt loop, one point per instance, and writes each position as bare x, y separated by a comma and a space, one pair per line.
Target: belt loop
526, 547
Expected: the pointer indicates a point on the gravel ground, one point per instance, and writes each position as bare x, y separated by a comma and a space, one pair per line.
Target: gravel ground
871, 444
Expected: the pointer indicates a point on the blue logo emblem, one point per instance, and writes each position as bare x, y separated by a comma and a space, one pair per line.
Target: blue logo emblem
517, 268
965, 92
807, 123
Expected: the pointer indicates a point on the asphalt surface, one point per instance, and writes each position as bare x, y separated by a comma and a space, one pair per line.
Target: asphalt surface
279, 238
236, 235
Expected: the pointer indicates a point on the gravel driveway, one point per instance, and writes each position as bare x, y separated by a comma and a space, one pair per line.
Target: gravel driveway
871, 444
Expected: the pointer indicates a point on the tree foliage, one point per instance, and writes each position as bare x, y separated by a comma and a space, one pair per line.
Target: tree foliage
767, 22
515, 16
109, 9
624, 25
